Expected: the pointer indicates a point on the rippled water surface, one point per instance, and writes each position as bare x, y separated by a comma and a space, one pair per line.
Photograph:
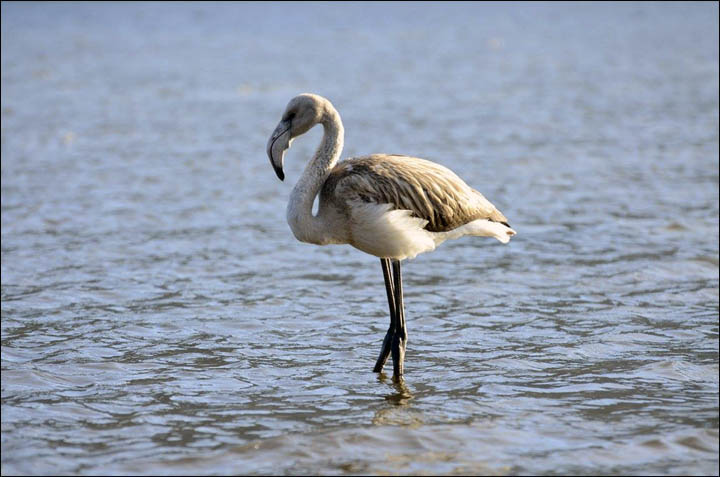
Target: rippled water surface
158, 316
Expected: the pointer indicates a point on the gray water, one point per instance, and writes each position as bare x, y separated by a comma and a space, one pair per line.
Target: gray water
158, 316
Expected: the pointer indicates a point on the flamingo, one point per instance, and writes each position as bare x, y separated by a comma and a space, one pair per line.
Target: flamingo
391, 206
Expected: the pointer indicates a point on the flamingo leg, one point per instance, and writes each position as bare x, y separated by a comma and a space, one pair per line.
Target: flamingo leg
387, 342
399, 339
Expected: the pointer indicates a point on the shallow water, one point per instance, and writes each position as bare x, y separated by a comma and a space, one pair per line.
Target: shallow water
158, 317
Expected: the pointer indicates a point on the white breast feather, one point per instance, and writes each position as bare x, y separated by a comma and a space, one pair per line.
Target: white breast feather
380, 231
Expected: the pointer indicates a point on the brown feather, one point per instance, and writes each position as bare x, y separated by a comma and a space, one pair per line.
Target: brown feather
429, 190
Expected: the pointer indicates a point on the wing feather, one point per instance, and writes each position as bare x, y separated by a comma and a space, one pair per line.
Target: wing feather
430, 191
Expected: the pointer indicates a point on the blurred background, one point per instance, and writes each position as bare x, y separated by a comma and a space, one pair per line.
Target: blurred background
158, 316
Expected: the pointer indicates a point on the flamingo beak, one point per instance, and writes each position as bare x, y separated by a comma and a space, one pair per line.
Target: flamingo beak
278, 143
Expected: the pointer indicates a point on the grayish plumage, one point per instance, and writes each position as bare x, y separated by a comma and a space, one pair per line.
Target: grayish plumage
390, 206
430, 191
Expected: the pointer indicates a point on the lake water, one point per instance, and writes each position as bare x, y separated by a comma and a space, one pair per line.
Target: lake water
158, 316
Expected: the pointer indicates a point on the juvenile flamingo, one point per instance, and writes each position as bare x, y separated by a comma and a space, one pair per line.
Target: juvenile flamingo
394, 207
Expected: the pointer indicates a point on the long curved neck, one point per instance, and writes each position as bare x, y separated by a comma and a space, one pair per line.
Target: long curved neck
306, 226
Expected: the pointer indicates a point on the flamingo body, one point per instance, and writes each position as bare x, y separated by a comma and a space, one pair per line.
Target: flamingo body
397, 207
391, 206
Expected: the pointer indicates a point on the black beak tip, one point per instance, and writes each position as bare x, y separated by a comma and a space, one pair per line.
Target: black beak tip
280, 173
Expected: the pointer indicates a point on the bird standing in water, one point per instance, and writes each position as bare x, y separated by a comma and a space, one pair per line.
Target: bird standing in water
394, 207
